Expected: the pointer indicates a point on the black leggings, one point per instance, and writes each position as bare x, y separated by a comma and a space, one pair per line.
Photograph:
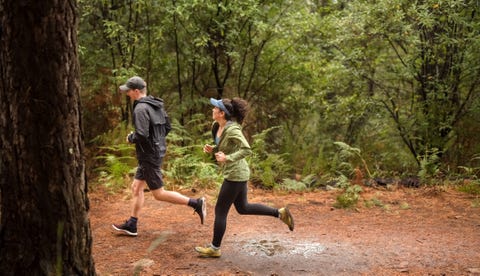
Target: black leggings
233, 192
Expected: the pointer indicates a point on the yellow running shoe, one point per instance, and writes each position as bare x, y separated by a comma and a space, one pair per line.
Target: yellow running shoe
208, 251
286, 217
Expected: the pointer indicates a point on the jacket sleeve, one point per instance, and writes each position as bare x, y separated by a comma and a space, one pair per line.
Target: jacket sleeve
168, 124
242, 146
142, 123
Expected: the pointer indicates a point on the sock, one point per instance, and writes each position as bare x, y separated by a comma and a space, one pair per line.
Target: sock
133, 220
192, 203
214, 247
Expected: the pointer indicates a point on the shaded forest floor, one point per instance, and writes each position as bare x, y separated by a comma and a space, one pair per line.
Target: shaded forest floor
405, 231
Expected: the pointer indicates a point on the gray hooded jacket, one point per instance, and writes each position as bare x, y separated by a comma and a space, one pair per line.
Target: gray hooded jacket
152, 125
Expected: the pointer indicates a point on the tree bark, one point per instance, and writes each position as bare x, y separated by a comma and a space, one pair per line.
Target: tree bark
44, 227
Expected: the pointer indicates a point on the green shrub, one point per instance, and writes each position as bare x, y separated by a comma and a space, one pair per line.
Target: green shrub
351, 157
185, 163
190, 170
348, 198
429, 166
472, 188
118, 163
306, 183
267, 169
373, 202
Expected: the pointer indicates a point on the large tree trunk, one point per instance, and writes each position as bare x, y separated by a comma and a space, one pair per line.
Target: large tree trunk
44, 227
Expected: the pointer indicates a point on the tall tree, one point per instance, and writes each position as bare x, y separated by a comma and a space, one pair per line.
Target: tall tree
44, 226
419, 62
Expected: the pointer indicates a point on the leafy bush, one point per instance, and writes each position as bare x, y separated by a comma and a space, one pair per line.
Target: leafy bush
268, 169
303, 184
189, 169
429, 165
474, 170
373, 202
349, 197
118, 163
349, 155
186, 164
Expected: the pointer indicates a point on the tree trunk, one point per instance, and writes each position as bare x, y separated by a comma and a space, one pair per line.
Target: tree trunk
44, 227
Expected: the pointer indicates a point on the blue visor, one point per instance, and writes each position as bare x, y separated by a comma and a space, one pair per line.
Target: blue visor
219, 104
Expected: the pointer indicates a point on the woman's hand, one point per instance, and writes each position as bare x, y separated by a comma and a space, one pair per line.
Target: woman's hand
208, 148
220, 156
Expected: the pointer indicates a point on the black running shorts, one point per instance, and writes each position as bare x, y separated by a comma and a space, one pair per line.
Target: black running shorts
151, 174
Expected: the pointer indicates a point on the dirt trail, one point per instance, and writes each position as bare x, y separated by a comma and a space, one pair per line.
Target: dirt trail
408, 232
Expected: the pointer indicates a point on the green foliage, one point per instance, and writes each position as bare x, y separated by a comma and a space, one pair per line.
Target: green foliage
292, 185
471, 187
476, 203
404, 206
267, 169
117, 165
186, 164
429, 165
112, 158
392, 52
394, 78
190, 170
373, 202
472, 171
348, 198
304, 184
342, 181
351, 154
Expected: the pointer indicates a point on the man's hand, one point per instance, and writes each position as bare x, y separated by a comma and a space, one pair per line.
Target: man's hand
128, 140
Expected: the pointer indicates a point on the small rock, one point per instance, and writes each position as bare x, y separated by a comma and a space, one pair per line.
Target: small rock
474, 270
143, 263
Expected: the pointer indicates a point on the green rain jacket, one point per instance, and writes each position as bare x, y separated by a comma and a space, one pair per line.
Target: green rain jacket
235, 146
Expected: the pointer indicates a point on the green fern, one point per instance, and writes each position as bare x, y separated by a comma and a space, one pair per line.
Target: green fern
115, 171
348, 154
303, 184
349, 197
267, 168
429, 165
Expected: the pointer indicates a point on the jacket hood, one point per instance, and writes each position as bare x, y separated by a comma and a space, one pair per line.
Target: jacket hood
154, 107
152, 101
232, 124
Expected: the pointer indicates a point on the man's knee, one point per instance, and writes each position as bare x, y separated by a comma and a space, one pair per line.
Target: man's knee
137, 187
158, 194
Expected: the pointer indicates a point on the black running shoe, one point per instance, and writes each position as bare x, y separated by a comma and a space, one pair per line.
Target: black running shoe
201, 209
127, 228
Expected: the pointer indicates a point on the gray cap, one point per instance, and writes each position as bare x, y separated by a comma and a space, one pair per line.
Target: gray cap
133, 83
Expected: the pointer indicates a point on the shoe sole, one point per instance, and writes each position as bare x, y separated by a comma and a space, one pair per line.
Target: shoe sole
126, 232
206, 255
203, 213
204, 209
289, 215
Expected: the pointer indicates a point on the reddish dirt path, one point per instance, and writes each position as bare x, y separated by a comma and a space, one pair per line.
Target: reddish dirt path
414, 232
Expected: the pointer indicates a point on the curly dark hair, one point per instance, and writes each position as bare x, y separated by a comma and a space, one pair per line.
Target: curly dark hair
237, 107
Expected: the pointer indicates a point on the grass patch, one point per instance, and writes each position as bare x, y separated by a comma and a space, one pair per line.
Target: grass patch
373, 202
472, 188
